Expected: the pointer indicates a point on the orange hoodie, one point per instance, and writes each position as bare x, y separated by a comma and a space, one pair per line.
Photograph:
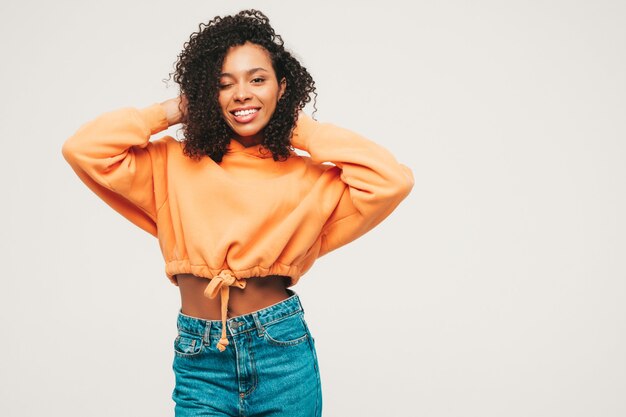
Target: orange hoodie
248, 215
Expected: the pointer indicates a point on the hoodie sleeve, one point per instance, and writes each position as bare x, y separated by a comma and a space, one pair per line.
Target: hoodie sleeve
375, 181
114, 157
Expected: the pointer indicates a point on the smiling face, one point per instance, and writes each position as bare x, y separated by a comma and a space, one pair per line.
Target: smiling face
248, 91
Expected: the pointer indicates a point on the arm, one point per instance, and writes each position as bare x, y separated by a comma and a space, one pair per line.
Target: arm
114, 157
376, 182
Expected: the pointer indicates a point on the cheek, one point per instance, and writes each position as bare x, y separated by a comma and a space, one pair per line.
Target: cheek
222, 101
270, 100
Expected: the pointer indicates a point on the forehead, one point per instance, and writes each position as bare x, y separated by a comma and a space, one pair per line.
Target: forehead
241, 58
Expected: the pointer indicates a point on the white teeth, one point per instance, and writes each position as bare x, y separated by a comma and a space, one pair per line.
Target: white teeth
245, 112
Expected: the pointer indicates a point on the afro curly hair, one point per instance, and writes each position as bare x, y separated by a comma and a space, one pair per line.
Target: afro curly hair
197, 72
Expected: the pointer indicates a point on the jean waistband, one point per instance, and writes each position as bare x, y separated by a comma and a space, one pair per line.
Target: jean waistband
242, 323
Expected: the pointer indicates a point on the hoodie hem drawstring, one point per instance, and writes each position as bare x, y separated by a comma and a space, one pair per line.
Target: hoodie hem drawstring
222, 283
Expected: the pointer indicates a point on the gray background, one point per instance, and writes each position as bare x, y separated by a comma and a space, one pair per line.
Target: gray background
495, 289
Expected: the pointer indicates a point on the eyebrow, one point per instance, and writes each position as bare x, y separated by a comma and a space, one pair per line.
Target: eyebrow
250, 71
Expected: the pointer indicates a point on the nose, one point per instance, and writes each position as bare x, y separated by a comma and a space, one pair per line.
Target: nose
242, 93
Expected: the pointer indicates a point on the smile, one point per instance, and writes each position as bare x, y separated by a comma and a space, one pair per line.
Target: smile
245, 112
245, 116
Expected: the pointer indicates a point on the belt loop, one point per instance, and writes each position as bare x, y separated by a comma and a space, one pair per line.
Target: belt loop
299, 302
207, 332
259, 327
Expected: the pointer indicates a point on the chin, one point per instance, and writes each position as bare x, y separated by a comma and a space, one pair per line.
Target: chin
246, 132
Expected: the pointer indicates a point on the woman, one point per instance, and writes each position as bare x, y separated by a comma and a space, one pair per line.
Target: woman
233, 205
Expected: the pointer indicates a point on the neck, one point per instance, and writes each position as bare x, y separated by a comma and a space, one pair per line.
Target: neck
248, 141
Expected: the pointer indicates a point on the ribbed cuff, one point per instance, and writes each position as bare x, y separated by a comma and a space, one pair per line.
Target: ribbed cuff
155, 117
304, 130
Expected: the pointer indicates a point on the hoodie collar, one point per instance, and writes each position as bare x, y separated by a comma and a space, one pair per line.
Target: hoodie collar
259, 150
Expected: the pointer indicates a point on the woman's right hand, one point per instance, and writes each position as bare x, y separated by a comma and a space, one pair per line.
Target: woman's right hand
175, 109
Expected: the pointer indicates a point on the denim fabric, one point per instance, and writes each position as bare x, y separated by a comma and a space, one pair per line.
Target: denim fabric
269, 367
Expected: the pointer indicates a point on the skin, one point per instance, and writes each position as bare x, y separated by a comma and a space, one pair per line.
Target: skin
245, 85
248, 79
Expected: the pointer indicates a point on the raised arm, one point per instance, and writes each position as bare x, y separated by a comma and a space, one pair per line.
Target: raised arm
114, 157
376, 181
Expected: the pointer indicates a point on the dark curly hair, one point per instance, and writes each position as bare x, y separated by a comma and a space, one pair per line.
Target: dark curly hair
197, 72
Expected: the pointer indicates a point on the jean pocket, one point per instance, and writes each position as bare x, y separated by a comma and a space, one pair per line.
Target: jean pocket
187, 344
286, 331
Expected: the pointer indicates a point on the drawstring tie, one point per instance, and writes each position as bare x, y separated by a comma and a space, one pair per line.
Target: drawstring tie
222, 282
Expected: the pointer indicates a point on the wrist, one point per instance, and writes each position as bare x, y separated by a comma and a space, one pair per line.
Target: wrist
303, 131
155, 117
172, 112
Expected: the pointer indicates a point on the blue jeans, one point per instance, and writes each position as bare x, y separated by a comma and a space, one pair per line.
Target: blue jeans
269, 367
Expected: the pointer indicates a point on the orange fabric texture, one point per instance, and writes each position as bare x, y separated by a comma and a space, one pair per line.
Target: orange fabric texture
248, 215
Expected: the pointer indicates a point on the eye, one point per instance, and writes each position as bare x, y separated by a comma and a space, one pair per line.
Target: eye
258, 80
222, 86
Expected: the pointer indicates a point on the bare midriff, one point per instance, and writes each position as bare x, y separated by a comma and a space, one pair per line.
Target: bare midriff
259, 293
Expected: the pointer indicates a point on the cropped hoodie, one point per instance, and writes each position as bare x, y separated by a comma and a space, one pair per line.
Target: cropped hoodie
248, 215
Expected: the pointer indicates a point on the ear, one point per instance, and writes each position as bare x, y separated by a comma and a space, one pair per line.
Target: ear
282, 88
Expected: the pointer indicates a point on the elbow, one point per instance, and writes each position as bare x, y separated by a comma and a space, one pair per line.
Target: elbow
68, 150
399, 191
389, 192
73, 151
408, 180
402, 184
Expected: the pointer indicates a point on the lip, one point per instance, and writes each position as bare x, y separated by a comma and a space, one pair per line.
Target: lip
243, 108
247, 118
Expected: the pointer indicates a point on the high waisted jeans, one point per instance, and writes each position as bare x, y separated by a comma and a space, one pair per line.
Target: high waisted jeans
269, 367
